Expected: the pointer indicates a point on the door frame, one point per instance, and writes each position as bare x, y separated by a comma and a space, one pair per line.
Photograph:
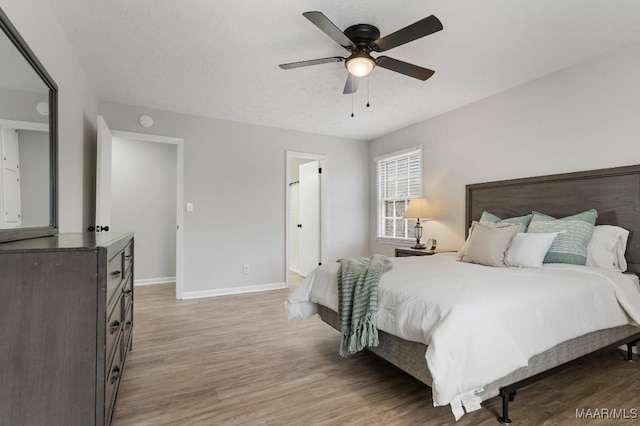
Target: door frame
179, 142
322, 159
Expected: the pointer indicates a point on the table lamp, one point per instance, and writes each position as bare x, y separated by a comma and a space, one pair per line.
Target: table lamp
418, 209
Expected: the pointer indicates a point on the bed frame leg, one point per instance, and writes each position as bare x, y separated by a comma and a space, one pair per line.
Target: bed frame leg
630, 346
506, 397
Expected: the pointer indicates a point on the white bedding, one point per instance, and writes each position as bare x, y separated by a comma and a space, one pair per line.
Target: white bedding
481, 323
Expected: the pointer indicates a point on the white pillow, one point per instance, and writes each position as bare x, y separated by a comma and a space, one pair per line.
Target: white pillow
607, 247
529, 250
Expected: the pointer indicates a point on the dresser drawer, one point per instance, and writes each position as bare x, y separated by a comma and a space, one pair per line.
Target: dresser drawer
112, 380
127, 329
127, 292
115, 273
128, 257
113, 330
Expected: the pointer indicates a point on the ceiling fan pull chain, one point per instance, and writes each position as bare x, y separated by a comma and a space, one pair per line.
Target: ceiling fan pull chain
352, 105
368, 105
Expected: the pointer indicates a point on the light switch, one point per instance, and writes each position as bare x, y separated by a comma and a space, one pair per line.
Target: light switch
189, 207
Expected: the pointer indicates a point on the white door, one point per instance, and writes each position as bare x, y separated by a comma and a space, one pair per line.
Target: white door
103, 175
294, 229
309, 196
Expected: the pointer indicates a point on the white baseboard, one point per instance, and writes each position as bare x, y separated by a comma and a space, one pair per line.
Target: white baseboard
149, 281
232, 290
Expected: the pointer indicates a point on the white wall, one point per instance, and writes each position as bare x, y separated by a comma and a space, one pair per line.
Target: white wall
143, 200
584, 117
39, 26
235, 175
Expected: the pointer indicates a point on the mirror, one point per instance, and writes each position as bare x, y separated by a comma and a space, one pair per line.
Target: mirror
28, 141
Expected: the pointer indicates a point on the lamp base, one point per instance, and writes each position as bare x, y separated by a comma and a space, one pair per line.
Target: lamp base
419, 246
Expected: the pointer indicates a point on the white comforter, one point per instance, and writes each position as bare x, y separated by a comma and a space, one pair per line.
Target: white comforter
481, 323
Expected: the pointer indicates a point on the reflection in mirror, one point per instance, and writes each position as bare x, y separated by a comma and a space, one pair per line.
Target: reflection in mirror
27, 140
24, 181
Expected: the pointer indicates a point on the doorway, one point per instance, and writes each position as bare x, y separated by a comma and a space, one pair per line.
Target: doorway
305, 195
172, 150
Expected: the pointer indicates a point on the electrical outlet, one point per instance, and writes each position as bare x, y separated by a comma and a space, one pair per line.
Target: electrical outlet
245, 269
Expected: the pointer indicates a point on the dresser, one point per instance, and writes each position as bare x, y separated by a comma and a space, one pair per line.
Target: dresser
66, 318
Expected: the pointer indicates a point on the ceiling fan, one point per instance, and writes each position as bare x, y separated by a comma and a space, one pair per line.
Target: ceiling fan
361, 40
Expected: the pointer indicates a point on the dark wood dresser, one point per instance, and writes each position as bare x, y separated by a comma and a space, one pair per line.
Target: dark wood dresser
66, 317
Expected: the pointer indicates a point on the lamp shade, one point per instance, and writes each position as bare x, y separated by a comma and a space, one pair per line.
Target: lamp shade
418, 209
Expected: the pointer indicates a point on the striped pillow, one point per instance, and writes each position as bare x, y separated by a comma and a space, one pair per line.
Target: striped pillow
488, 218
570, 246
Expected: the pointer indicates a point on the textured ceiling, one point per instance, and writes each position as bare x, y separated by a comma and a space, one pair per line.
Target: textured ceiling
220, 58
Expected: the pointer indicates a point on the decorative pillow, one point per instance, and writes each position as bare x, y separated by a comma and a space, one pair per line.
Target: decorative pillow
488, 218
571, 246
607, 247
463, 249
529, 250
487, 245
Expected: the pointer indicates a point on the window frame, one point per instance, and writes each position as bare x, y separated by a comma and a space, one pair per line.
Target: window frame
380, 216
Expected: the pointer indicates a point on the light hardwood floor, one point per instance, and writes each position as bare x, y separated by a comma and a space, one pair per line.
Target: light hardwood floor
236, 360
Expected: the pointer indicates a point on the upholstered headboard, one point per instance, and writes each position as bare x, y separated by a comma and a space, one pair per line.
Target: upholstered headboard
614, 193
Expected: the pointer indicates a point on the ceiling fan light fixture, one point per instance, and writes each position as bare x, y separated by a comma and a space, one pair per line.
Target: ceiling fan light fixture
360, 65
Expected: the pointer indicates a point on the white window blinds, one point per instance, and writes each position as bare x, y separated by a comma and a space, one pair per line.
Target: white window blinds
399, 179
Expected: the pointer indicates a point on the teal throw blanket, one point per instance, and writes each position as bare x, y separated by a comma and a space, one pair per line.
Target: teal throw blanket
358, 301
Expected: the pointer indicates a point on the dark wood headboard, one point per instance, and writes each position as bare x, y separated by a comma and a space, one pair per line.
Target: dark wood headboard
614, 193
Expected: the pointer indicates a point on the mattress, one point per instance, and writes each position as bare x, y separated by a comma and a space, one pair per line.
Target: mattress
481, 323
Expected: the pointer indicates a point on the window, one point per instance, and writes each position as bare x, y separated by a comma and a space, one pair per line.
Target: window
399, 180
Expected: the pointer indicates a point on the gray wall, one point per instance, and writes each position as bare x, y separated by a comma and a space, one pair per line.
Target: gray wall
584, 117
21, 105
34, 177
143, 200
235, 175
37, 23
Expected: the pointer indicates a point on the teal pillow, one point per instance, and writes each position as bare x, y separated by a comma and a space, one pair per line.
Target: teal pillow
571, 245
488, 218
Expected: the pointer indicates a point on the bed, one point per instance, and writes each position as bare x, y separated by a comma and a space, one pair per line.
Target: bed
614, 193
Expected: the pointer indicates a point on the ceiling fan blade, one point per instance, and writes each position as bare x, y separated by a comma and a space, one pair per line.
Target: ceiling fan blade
423, 27
301, 64
404, 68
351, 86
329, 28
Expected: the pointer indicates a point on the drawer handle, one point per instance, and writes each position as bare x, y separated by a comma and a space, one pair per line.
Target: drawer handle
127, 325
127, 291
115, 374
115, 274
128, 257
114, 327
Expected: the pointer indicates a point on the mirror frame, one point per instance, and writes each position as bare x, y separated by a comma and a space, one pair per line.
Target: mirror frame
14, 234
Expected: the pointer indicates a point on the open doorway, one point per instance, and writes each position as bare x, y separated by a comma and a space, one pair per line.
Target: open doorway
147, 170
306, 176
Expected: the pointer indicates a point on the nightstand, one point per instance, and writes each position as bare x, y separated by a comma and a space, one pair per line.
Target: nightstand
408, 251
